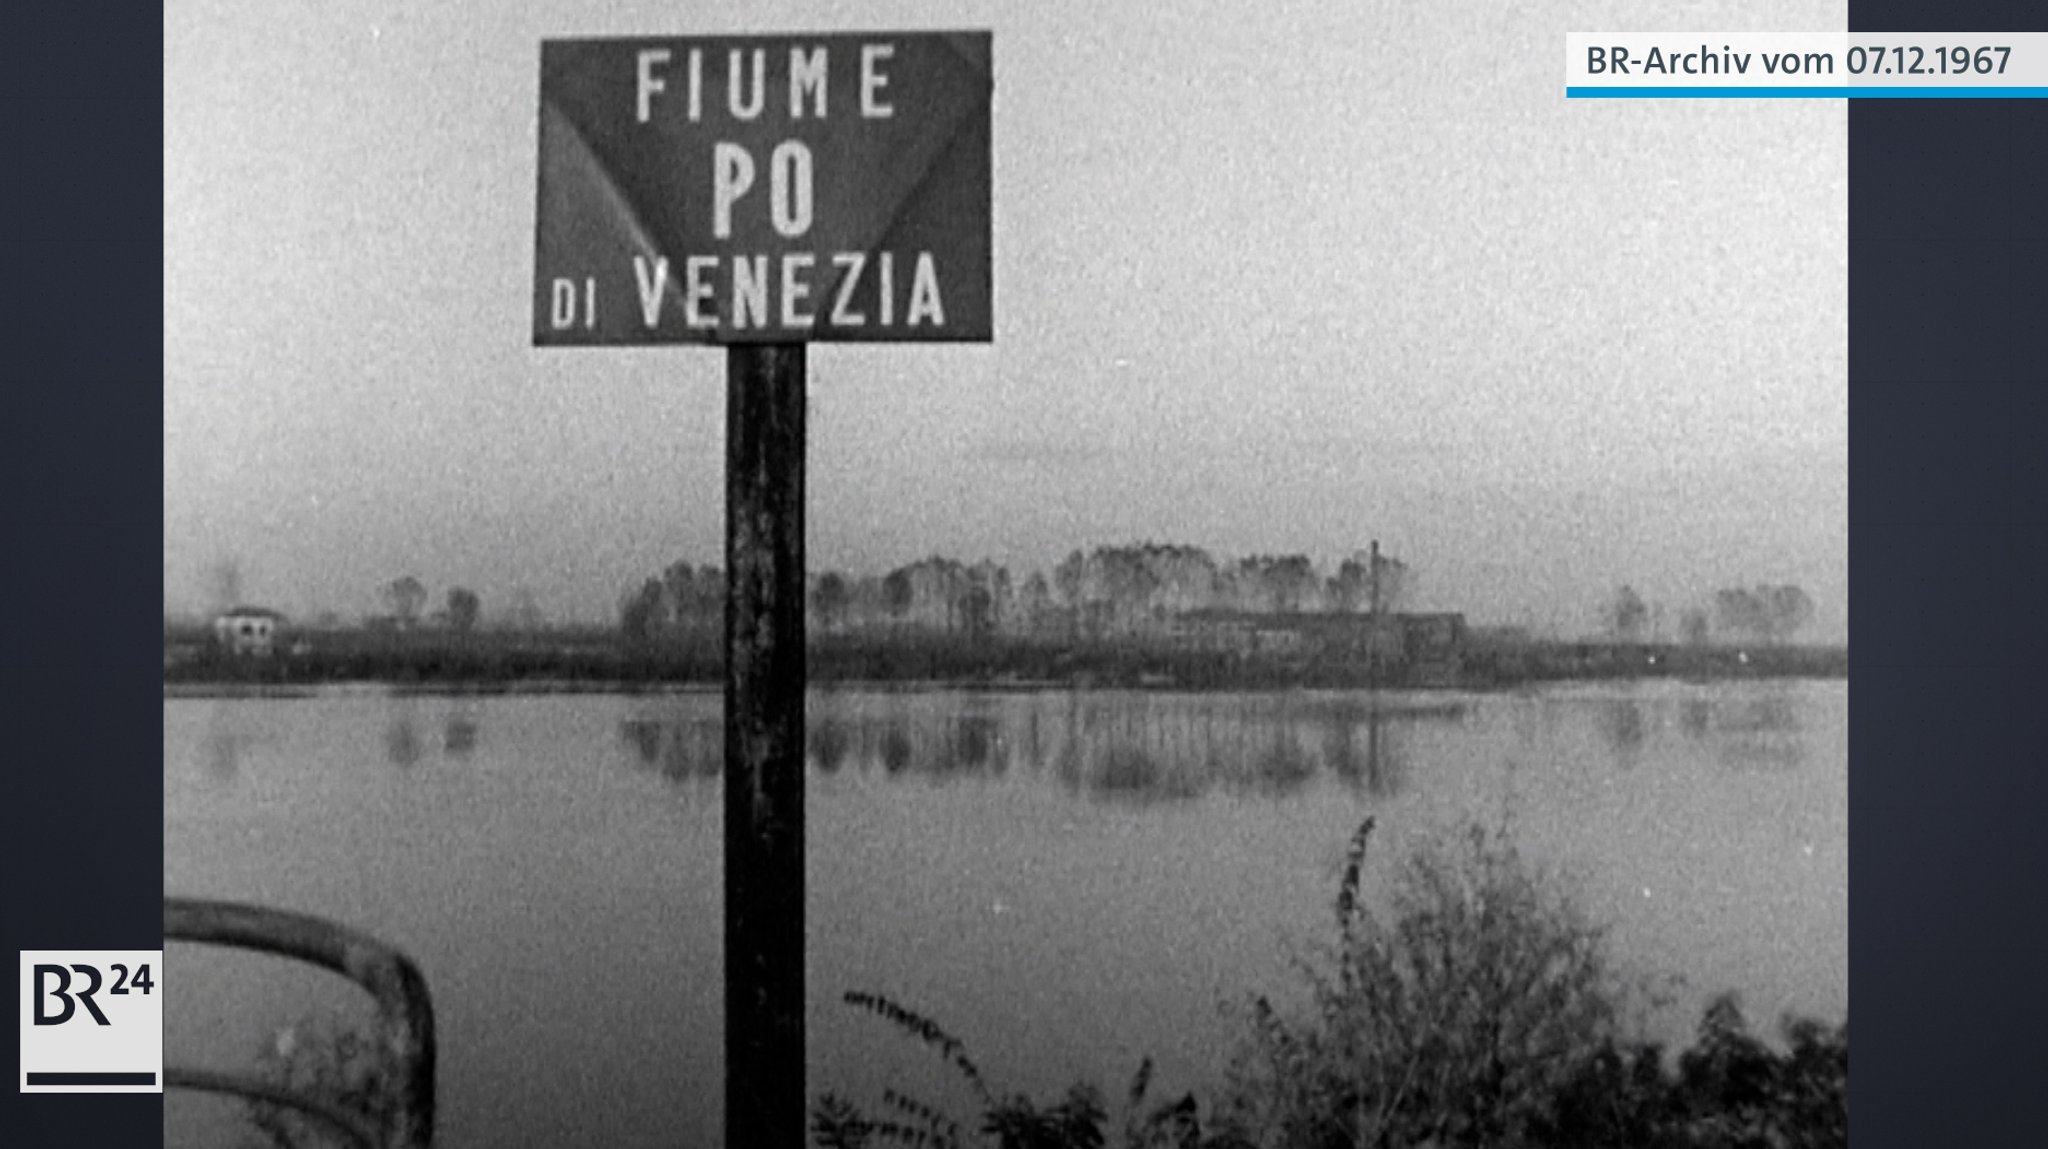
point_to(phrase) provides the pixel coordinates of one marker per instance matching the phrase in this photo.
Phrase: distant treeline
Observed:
(604, 657)
(1094, 607)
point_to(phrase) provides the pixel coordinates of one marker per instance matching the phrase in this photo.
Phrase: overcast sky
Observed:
(1277, 277)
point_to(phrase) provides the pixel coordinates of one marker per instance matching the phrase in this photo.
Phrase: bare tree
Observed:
(640, 613)
(1787, 610)
(829, 599)
(897, 592)
(1625, 617)
(463, 608)
(1768, 613)
(405, 596)
(679, 582)
(1035, 603)
(1694, 627)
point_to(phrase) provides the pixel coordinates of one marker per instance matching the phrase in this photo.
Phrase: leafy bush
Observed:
(1481, 1009)
(1454, 1020)
(1729, 1090)
(1077, 1120)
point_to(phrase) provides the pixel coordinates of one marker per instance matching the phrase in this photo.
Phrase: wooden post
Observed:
(765, 1101)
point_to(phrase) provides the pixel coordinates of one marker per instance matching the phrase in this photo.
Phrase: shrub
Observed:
(1077, 1120)
(1730, 1091)
(1456, 1019)
(1481, 1009)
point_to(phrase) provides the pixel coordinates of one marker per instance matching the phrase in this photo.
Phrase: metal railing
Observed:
(405, 1015)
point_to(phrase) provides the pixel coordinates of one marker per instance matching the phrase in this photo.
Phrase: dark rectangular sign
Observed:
(764, 189)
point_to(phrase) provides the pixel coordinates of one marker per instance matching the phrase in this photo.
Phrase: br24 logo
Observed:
(123, 984)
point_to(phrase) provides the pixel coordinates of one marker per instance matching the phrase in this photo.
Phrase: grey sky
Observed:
(1269, 278)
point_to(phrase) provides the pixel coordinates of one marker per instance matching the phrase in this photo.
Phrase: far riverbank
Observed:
(568, 661)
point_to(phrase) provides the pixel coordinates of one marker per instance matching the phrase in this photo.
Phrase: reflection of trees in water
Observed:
(1362, 747)
(402, 740)
(906, 739)
(1341, 748)
(1126, 772)
(458, 731)
(895, 748)
(1067, 763)
(828, 743)
(1282, 767)
(679, 749)
(1121, 747)
(645, 736)
(975, 743)
(1760, 731)
(1695, 717)
(1772, 713)
(1175, 747)
(1747, 730)
(1622, 726)
(406, 745)
(695, 749)
(1033, 748)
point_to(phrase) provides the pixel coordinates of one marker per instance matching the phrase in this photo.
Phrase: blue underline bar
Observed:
(1838, 92)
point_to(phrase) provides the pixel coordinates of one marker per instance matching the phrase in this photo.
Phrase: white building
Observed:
(248, 630)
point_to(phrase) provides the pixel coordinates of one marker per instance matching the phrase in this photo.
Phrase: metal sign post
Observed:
(762, 193)
(764, 745)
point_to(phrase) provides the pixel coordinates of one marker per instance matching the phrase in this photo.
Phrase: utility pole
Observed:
(1372, 642)
(1375, 584)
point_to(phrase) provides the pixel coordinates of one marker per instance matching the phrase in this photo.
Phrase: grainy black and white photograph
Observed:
(954, 574)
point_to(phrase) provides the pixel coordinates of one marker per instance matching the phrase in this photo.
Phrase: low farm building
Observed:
(248, 630)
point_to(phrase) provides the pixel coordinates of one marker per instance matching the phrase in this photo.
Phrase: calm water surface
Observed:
(1068, 881)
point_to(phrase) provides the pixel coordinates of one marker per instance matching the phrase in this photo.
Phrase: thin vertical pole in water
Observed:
(1372, 650)
(764, 747)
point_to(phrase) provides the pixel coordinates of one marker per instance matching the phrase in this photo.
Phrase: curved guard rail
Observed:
(358, 1127)
(405, 1013)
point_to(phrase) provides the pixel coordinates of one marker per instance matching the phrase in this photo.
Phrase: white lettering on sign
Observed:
(562, 303)
(872, 81)
(789, 188)
(732, 173)
(924, 293)
(696, 84)
(750, 291)
(696, 291)
(843, 314)
(649, 82)
(795, 290)
(763, 291)
(748, 78)
(746, 109)
(650, 287)
(888, 293)
(806, 74)
(791, 181)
